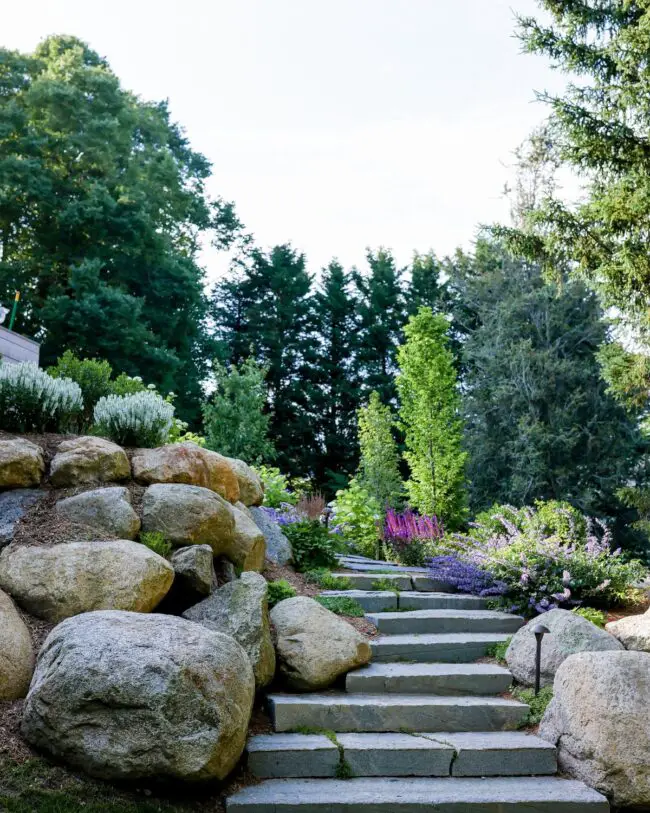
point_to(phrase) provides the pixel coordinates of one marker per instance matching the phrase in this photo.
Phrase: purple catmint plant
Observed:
(466, 577)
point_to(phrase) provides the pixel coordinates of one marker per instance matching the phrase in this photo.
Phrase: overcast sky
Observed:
(334, 125)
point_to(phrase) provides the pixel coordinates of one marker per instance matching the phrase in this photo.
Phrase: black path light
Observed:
(539, 631)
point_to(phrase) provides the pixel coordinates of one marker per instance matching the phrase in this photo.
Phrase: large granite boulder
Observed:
(21, 463)
(128, 696)
(251, 487)
(599, 719)
(189, 515)
(633, 632)
(188, 464)
(241, 609)
(88, 460)
(103, 509)
(314, 646)
(16, 652)
(58, 581)
(13, 505)
(194, 569)
(278, 547)
(569, 633)
(248, 548)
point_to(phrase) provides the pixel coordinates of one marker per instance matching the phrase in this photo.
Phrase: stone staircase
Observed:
(422, 728)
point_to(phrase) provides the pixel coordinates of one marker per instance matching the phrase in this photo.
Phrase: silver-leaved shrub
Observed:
(142, 419)
(33, 401)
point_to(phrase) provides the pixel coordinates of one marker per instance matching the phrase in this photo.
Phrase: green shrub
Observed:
(155, 541)
(33, 401)
(279, 590)
(323, 578)
(357, 517)
(498, 651)
(276, 487)
(537, 704)
(342, 605)
(143, 419)
(92, 375)
(385, 584)
(596, 617)
(127, 385)
(311, 544)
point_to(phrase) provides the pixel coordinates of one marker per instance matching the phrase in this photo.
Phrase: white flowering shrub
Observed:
(142, 419)
(33, 401)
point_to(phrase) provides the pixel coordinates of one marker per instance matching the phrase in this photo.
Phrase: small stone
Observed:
(278, 548)
(88, 460)
(633, 632)
(314, 646)
(241, 609)
(103, 509)
(569, 633)
(16, 652)
(21, 463)
(194, 570)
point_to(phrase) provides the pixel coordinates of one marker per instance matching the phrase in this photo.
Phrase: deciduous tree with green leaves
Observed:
(430, 418)
(379, 464)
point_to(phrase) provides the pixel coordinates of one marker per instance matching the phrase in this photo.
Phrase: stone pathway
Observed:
(421, 728)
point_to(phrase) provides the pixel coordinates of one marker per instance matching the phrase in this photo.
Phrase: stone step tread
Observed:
(388, 670)
(431, 647)
(373, 567)
(428, 600)
(429, 678)
(448, 613)
(444, 621)
(340, 699)
(419, 795)
(387, 600)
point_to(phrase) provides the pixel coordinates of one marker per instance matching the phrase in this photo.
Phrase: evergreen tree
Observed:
(102, 203)
(235, 421)
(381, 319)
(425, 286)
(379, 464)
(336, 374)
(539, 421)
(429, 416)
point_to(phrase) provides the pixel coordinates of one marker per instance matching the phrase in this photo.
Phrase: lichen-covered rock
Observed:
(189, 515)
(104, 509)
(21, 463)
(241, 609)
(633, 632)
(569, 633)
(599, 719)
(278, 548)
(194, 569)
(314, 646)
(188, 464)
(251, 487)
(59, 581)
(16, 652)
(13, 505)
(248, 548)
(88, 460)
(126, 696)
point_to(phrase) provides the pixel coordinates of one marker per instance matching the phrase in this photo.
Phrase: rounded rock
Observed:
(88, 460)
(21, 463)
(16, 652)
(104, 509)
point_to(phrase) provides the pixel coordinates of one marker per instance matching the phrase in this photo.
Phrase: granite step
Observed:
(501, 753)
(366, 581)
(420, 622)
(374, 601)
(418, 795)
(429, 678)
(449, 648)
(393, 712)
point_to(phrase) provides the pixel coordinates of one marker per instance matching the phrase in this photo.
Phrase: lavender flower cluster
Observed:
(466, 577)
(286, 514)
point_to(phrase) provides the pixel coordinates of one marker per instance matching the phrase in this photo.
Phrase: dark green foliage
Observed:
(92, 375)
(156, 541)
(537, 704)
(498, 651)
(325, 579)
(597, 617)
(342, 605)
(279, 590)
(540, 423)
(102, 203)
(386, 584)
(312, 545)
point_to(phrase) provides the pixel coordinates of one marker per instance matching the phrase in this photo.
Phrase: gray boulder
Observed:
(248, 548)
(569, 633)
(633, 632)
(189, 515)
(103, 509)
(278, 549)
(599, 719)
(13, 505)
(314, 646)
(58, 581)
(88, 460)
(21, 463)
(16, 652)
(194, 569)
(241, 609)
(128, 696)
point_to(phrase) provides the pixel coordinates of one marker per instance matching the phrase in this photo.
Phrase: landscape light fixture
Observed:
(539, 631)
